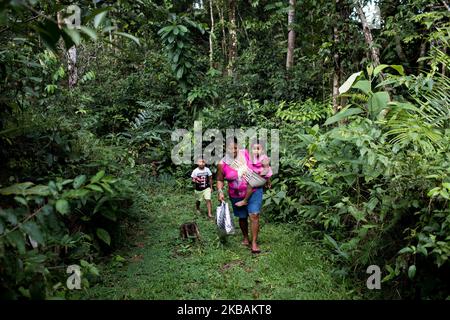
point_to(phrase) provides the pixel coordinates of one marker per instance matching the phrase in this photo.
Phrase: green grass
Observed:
(159, 265)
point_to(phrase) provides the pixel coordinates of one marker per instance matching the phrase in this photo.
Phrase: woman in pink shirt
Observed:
(237, 188)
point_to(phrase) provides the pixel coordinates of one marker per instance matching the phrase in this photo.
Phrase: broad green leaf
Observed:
(94, 270)
(165, 30)
(342, 115)
(79, 181)
(379, 68)
(433, 192)
(399, 69)
(348, 84)
(89, 32)
(107, 188)
(94, 13)
(377, 102)
(76, 194)
(10, 215)
(62, 206)
(49, 32)
(18, 188)
(74, 35)
(332, 241)
(99, 18)
(370, 70)
(180, 73)
(406, 250)
(21, 200)
(33, 230)
(357, 214)
(16, 239)
(104, 235)
(364, 86)
(421, 249)
(67, 181)
(98, 176)
(412, 271)
(38, 190)
(129, 36)
(95, 187)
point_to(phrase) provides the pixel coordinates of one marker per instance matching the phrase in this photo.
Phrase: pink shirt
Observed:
(237, 188)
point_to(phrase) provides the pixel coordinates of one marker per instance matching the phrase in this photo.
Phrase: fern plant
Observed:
(151, 115)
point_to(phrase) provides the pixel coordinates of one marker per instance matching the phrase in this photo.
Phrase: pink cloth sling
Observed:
(237, 188)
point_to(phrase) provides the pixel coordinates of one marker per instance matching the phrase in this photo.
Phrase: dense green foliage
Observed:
(370, 177)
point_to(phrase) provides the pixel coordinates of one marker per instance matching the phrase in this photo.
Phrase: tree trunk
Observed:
(232, 50)
(211, 35)
(399, 49)
(71, 55)
(337, 69)
(72, 66)
(423, 51)
(374, 52)
(291, 35)
(224, 37)
(341, 14)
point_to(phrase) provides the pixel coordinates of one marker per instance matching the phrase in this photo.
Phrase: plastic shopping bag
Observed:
(224, 220)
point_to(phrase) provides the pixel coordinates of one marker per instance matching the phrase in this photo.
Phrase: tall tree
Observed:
(224, 36)
(211, 34)
(71, 54)
(232, 30)
(374, 51)
(336, 62)
(291, 35)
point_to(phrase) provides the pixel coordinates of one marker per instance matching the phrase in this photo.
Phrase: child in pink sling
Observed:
(260, 165)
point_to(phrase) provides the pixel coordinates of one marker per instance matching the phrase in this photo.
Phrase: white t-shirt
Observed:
(201, 176)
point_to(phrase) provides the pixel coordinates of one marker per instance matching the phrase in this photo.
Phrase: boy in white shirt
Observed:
(202, 179)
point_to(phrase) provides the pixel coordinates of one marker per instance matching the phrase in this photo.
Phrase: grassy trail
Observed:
(160, 266)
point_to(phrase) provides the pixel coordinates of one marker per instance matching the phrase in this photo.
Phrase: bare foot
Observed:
(241, 203)
(255, 248)
(245, 242)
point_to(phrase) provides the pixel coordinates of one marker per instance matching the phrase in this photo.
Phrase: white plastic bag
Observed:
(224, 220)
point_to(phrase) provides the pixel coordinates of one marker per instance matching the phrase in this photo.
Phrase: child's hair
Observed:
(261, 142)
